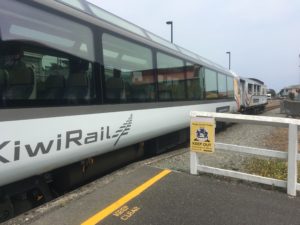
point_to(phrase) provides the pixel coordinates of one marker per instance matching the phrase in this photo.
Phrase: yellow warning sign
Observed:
(202, 135)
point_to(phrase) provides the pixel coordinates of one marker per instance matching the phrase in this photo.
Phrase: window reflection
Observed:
(171, 77)
(194, 82)
(211, 88)
(129, 74)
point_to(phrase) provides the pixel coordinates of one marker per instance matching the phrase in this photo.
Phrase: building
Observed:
(295, 89)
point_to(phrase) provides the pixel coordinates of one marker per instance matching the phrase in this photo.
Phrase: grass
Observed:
(273, 168)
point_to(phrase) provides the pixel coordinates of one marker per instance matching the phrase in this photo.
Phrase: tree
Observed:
(291, 96)
(272, 92)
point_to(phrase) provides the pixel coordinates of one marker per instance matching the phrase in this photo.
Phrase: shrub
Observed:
(291, 96)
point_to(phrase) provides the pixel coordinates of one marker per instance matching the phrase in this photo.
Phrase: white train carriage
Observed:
(82, 91)
(253, 95)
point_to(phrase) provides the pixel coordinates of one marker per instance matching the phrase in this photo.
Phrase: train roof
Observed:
(257, 80)
(117, 24)
(252, 80)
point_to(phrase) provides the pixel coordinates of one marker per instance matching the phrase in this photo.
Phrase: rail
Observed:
(292, 155)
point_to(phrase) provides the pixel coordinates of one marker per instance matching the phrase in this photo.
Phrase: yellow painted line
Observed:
(131, 195)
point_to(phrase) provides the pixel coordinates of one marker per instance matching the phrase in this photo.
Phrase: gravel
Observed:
(238, 134)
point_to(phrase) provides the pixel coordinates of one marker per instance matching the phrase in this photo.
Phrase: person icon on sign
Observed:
(202, 135)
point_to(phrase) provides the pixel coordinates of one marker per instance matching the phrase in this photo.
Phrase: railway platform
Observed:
(148, 195)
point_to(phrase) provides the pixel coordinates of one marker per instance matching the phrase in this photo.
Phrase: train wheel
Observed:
(6, 210)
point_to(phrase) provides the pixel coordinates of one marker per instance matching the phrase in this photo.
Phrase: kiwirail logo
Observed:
(123, 130)
(18, 149)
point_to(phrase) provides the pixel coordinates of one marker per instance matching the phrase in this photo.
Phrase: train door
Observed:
(242, 93)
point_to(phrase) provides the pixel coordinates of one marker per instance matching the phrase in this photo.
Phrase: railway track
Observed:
(273, 104)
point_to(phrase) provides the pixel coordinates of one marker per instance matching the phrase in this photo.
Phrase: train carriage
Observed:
(253, 95)
(82, 91)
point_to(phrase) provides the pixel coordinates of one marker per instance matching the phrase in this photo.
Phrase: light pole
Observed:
(299, 68)
(229, 54)
(171, 23)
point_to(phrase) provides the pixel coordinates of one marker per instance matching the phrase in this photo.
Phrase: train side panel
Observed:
(32, 147)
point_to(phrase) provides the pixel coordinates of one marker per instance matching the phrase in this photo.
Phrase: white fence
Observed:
(292, 155)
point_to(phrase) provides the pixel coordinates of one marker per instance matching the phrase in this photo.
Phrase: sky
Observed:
(263, 36)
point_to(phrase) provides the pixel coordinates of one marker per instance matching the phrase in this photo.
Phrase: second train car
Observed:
(253, 95)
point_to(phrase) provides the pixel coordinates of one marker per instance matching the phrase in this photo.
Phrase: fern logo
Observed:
(123, 130)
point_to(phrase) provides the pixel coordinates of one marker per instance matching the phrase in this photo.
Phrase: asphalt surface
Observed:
(177, 198)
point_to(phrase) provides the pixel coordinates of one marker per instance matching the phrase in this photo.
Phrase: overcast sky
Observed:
(263, 36)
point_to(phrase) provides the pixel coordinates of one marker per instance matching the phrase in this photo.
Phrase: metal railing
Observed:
(290, 108)
(292, 155)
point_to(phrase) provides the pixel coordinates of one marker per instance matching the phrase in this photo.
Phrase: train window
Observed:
(194, 81)
(187, 52)
(22, 22)
(230, 87)
(211, 88)
(17, 80)
(222, 86)
(250, 89)
(36, 77)
(129, 74)
(65, 78)
(258, 90)
(255, 89)
(161, 41)
(104, 15)
(171, 78)
(75, 3)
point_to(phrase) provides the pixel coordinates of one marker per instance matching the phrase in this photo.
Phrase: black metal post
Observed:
(299, 68)
(171, 23)
(229, 54)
